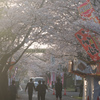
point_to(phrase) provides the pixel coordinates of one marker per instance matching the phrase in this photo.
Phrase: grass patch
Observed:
(79, 98)
(70, 89)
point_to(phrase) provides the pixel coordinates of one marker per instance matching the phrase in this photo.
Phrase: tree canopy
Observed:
(51, 22)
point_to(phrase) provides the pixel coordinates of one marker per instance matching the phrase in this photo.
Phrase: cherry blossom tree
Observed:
(24, 22)
(14, 33)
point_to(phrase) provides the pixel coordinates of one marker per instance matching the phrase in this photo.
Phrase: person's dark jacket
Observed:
(39, 89)
(58, 87)
(30, 86)
(44, 87)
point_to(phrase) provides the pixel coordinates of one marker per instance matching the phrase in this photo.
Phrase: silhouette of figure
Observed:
(39, 89)
(58, 89)
(13, 91)
(30, 85)
(44, 87)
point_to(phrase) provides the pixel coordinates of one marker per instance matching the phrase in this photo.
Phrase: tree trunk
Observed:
(3, 86)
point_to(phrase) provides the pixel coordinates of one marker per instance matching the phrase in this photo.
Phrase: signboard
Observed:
(84, 68)
(88, 44)
(81, 67)
(86, 11)
(96, 39)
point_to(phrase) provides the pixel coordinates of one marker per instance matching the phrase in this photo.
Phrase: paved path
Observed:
(49, 96)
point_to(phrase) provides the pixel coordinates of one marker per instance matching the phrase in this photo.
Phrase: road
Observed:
(49, 96)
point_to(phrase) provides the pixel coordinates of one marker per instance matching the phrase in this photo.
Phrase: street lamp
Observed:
(70, 68)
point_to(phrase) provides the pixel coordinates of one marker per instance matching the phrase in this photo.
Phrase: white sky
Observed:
(37, 45)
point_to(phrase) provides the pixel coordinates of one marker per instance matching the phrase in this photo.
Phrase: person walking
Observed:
(39, 90)
(30, 86)
(58, 89)
(12, 91)
(44, 87)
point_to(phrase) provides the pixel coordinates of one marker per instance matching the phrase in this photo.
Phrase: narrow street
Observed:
(49, 96)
